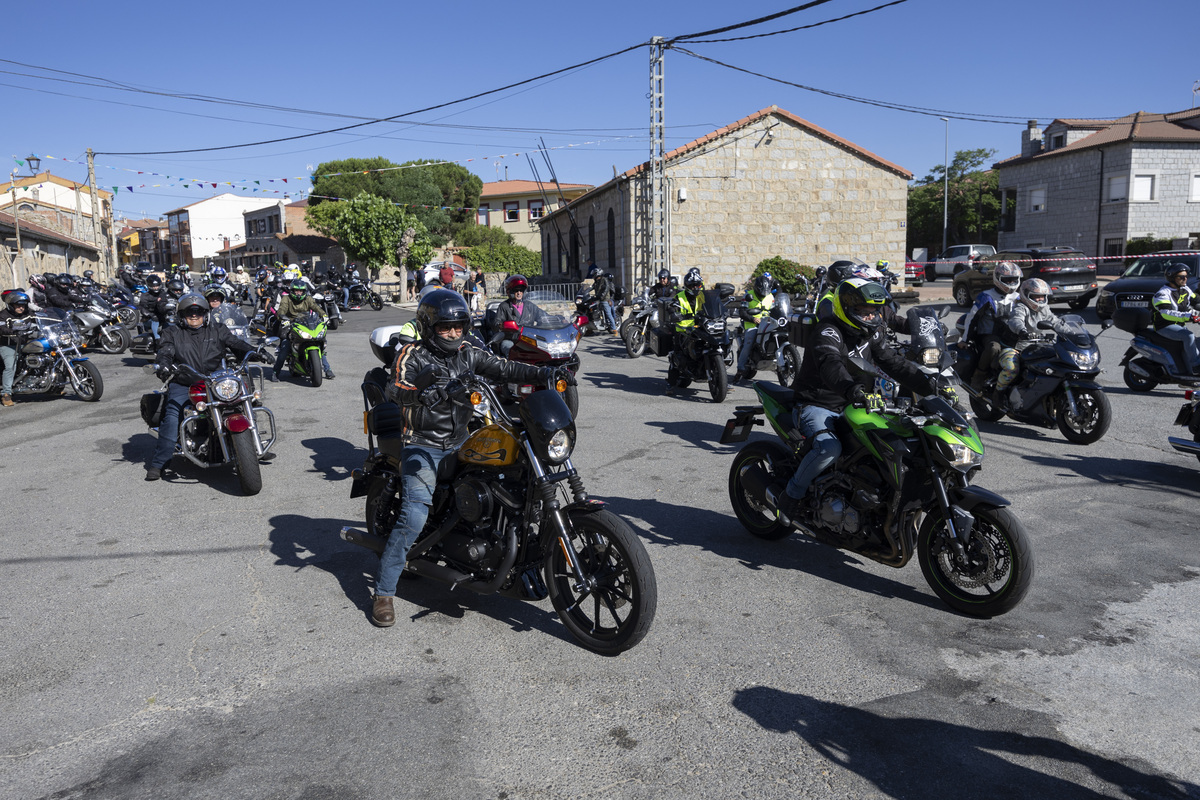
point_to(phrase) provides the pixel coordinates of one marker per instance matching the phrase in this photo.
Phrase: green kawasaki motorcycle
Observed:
(306, 341)
(902, 484)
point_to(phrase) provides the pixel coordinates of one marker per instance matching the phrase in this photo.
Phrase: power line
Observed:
(748, 23)
(802, 27)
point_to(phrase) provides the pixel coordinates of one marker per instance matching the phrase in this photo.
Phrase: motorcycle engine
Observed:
(36, 362)
(476, 543)
(845, 510)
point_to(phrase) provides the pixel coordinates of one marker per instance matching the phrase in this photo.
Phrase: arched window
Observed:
(591, 239)
(612, 241)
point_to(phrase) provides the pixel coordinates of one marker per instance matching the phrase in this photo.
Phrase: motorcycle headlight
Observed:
(930, 356)
(226, 389)
(715, 326)
(1087, 359)
(558, 449)
(559, 349)
(960, 455)
(303, 334)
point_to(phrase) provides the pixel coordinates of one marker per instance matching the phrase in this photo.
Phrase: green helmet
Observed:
(298, 290)
(858, 304)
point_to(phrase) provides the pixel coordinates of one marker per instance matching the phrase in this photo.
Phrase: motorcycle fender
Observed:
(359, 483)
(1185, 414)
(110, 328)
(589, 506)
(236, 423)
(1081, 384)
(1129, 354)
(969, 497)
(739, 428)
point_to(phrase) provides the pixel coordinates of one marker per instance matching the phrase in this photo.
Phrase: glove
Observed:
(432, 396)
(553, 375)
(949, 393)
(871, 401)
(163, 372)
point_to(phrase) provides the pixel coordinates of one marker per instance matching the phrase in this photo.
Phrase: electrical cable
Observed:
(748, 23)
(802, 27)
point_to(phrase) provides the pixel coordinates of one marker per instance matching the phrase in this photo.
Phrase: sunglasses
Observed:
(193, 314)
(451, 326)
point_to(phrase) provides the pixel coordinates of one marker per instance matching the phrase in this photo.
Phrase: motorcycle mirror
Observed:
(425, 378)
(1045, 325)
(945, 312)
(509, 325)
(1106, 324)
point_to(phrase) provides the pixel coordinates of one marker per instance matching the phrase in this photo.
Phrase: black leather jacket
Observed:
(56, 298)
(824, 378)
(200, 348)
(444, 426)
(8, 337)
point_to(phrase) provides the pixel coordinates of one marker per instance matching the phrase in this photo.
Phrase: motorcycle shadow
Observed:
(300, 542)
(1154, 476)
(646, 385)
(722, 535)
(140, 447)
(331, 455)
(877, 741)
(701, 435)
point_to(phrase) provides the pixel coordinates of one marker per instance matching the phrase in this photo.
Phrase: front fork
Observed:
(553, 510)
(958, 522)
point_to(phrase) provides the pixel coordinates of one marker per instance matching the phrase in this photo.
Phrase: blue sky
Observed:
(1021, 59)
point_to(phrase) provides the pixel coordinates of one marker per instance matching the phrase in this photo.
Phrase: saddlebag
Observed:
(660, 341)
(800, 327)
(154, 405)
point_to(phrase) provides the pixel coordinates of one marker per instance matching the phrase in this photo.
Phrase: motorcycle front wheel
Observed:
(115, 341)
(718, 379)
(755, 515)
(571, 398)
(376, 301)
(996, 572)
(91, 385)
(1095, 415)
(614, 608)
(316, 373)
(246, 456)
(635, 341)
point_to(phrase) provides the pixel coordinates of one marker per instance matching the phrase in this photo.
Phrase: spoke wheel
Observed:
(376, 301)
(635, 341)
(756, 516)
(91, 385)
(997, 570)
(614, 608)
(786, 372)
(1095, 415)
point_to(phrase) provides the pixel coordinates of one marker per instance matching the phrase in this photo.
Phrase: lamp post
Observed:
(946, 185)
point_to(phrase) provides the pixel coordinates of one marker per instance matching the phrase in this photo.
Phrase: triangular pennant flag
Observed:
(115, 189)
(130, 188)
(214, 186)
(256, 183)
(285, 180)
(19, 161)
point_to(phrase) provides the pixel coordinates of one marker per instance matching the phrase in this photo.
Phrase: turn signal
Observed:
(560, 386)
(1187, 395)
(476, 398)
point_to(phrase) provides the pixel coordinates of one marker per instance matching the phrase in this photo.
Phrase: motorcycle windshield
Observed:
(310, 320)
(925, 328)
(783, 306)
(233, 318)
(712, 308)
(50, 316)
(1076, 333)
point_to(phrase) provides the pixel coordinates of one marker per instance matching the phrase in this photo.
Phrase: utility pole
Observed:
(946, 186)
(96, 240)
(656, 188)
(16, 227)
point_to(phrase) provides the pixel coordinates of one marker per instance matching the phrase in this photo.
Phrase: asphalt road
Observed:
(174, 639)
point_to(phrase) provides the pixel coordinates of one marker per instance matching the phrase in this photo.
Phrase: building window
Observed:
(1008, 210)
(1037, 200)
(537, 209)
(512, 212)
(481, 215)
(270, 224)
(1145, 188)
(1194, 194)
(1116, 189)
(249, 228)
(1058, 140)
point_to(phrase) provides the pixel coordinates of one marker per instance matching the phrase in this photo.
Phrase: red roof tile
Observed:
(505, 188)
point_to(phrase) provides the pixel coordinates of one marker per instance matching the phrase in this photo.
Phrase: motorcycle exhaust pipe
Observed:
(1184, 445)
(363, 539)
(1138, 369)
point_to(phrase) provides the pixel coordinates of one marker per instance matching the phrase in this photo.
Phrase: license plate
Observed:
(1135, 304)
(1077, 287)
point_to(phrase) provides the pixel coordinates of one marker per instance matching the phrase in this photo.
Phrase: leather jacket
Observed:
(200, 348)
(444, 426)
(824, 378)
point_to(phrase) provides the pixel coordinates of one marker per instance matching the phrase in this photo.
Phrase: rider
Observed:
(663, 289)
(984, 324)
(1023, 323)
(435, 427)
(295, 303)
(827, 383)
(58, 292)
(759, 300)
(1175, 305)
(517, 309)
(602, 290)
(220, 310)
(16, 308)
(200, 345)
(686, 304)
(148, 304)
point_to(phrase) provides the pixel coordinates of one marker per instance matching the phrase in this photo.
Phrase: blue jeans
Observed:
(9, 356)
(418, 478)
(168, 431)
(1181, 334)
(815, 423)
(346, 296)
(154, 329)
(748, 337)
(606, 309)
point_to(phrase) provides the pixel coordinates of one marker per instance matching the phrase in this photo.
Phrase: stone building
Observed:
(1095, 184)
(771, 184)
(280, 232)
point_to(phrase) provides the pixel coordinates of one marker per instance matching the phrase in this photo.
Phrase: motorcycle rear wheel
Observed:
(1000, 567)
(1095, 415)
(334, 323)
(381, 524)
(613, 612)
(316, 373)
(985, 410)
(758, 519)
(376, 301)
(1136, 382)
(718, 379)
(246, 457)
(91, 385)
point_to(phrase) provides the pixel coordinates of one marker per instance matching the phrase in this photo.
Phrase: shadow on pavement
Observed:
(334, 457)
(895, 745)
(1128, 472)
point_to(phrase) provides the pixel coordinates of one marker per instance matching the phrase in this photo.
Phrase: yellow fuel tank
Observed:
(493, 446)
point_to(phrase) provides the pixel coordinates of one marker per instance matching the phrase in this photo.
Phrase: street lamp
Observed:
(34, 164)
(946, 185)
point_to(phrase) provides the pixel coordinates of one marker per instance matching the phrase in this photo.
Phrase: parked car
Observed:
(1138, 283)
(432, 269)
(1070, 274)
(914, 274)
(956, 259)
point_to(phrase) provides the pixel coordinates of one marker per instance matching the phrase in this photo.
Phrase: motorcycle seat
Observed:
(783, 396)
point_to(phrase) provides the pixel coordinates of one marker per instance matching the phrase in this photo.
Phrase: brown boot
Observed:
(6, 400)
(382, 613)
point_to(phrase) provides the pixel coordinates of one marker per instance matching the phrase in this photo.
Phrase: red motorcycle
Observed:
(550, 341)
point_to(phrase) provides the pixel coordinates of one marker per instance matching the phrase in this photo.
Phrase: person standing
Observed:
(474, 288)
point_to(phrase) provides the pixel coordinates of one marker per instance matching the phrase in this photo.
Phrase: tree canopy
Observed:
(973, 202)
(507, 258)
(435, 193)
(370, 229)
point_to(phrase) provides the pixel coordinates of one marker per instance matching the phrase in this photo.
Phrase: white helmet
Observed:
(239, 269)
(1035, 293)
(1007, 277)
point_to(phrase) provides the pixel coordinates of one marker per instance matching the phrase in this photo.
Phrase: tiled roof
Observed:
(46, 177)
(505, 188)
(298, 204)
(1179, 127)
(39, 232)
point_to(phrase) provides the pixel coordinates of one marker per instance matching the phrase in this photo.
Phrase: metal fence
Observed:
(567, 290)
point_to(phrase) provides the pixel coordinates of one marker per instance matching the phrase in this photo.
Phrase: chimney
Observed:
(1031, 139)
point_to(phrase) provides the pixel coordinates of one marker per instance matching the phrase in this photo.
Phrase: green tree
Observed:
(506, 258)
(370, 229)
(973, 202)
(477, 235)
(787, 273)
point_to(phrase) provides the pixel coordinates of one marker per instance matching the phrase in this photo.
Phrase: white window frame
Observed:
(1155, 185)
(537, 209)
(1194, 188)
(1108, 179)
(1033, 190)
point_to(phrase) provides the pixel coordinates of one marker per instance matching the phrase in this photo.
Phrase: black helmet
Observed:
(664, 274)
(86, 284)
(191, 302)
(841, 271)
(692, 282)
(298, 290)
(62, 281)
(89, 274)
(438, 307)
(213, 290)
(858, 305)
(154, 284)
(764, 285)
(1174, 269)
(175, 288)
(516, 283)
(16, 298)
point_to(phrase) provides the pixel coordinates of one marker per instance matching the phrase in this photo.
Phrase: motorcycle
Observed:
(125, 302)
(48, 358)
(902, 485)
(219, 424)
(549, 342)
(1056, 385)
(1191, 420)
(510, 515)
(703, 350)
(306, 345)
(144, 342)
(361, 294)
(772, 348)
(588, 316)
(99, 324)
(327, 301)
(1151, 358)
